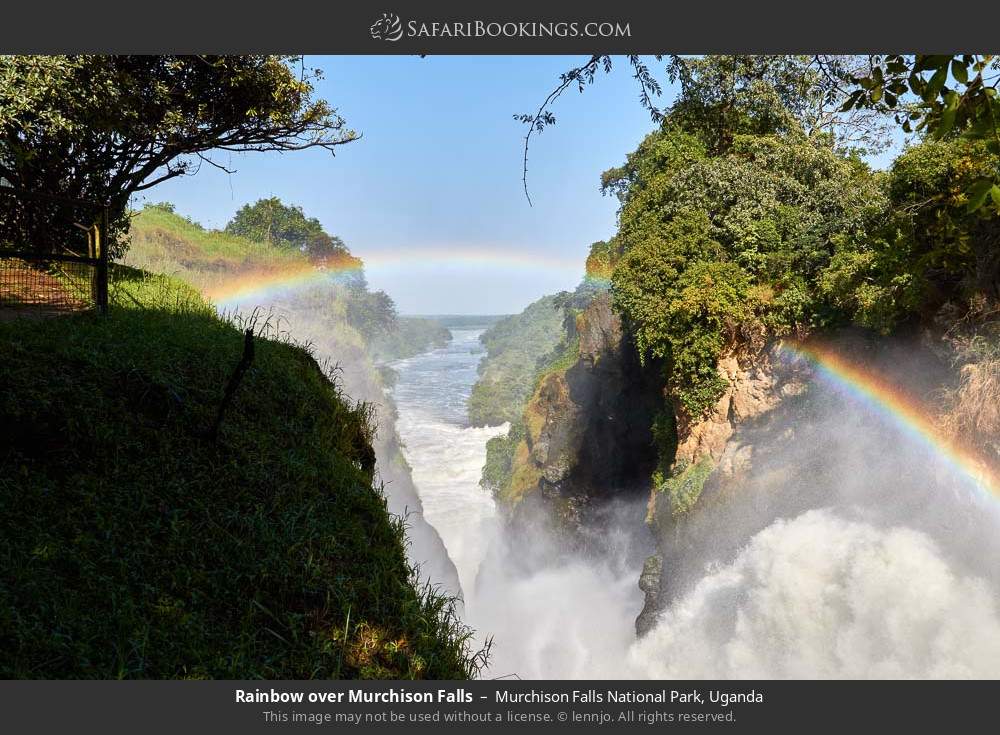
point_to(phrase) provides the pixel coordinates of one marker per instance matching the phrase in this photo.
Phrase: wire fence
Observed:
(53, 254)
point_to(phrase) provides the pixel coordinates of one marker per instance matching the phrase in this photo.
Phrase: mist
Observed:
(821, 596)
(843, 548)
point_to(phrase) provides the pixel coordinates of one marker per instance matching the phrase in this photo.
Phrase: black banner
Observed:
(265, 707)
(452, 27)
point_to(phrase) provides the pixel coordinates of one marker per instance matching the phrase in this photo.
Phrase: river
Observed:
(567, 619)
(445, 453)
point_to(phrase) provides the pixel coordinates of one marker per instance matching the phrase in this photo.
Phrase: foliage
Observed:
(163, 241)
(727, 223)
(499, 466)
(514, 347)
(684, 487)
(723, 96)
(274, 222)
(931, 250)
(372, 313)
(134, 547)
(412, 336)
(955, 95)
(102, 128)
(750, 214)
(599, 263)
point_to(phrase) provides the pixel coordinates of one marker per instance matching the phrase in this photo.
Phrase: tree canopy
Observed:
(742, 220)
(286, 225)
(848, 97)
(102, 128)
(939, 95)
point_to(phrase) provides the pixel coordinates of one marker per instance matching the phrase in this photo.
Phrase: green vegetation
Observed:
(508, 372)
(103, 127)
(727, 223)
(136, 545)
(506, 471)
(500, 455)
(412, 335)
(684, 486)
(956, 94)
(162, 241)
(742, 220)
(286, 226)
(751, 215)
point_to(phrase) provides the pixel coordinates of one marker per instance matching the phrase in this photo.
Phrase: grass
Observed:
(165, 242)
(134, 546)
(685, 486)
(972, 407)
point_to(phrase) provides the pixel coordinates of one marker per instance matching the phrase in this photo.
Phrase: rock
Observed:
(735, 459)
(649, 583)
(757, 383)
(588, 425)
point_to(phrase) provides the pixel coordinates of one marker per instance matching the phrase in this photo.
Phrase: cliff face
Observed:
(785, 439)
(361, 382)
(714, 455)
(587, 426)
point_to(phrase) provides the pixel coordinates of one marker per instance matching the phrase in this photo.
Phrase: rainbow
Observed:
(263, 285)
(254, 287)
(902, 409)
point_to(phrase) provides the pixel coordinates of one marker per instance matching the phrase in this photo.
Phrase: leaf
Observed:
(995, 195)
(936, 84)
(959, 71)
(947, 121)
(978, 193)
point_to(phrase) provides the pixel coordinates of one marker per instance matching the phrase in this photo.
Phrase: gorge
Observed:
(825, 542)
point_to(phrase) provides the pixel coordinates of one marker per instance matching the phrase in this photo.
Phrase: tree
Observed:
(848, 97)
(942, 96)
(321, 246)
(372, 313)
(724, 94)
(276, 223)
(730, 214)
(286, 225)
(102, 128)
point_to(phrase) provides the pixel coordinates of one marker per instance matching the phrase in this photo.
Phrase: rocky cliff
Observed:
(587, 427)
(785, 439)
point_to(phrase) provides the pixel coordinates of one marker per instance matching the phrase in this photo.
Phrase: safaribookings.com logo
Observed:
(390, 28)
(387, 28)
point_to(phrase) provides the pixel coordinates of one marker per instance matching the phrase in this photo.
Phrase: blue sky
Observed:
(438, 172)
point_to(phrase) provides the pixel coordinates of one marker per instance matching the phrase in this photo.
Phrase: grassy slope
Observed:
(135, 547)
(165, 242)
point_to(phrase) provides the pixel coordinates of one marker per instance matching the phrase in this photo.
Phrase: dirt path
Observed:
(32, 292)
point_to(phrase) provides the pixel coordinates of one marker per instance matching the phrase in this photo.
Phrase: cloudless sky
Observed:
(432, 192)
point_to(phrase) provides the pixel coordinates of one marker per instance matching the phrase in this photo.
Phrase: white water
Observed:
(823, 597)
(446, 454)
(818, 594)
(568, 620)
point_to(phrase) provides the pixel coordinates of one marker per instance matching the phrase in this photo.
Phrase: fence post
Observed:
(102, 262)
